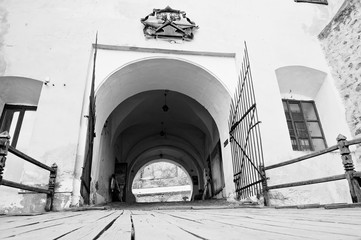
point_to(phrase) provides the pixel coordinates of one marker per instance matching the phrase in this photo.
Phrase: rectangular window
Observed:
(304, 125)
(12, 119)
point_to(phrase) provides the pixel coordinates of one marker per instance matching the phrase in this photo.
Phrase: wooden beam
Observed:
(342, 205)
(165, 51)
(302, 206)
(305, 157)
(286, 207)
(323, 2)
(353, 142)
(24, 187)
(308, 182)
(29, 159)
(307, 206)
(312, 155)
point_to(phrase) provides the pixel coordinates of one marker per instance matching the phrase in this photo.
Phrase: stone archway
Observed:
(130, 117)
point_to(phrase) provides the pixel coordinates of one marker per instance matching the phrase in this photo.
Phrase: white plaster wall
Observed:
(51, 40)
(288, 36)
(332, 113)
(47, 41)
(292, 42)
(223, 68)
(333, 122)
(21, 91)
(319, 167)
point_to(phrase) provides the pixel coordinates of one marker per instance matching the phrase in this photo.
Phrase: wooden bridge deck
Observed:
(202, 223)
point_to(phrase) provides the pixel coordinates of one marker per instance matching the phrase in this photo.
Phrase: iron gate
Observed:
(245, 138)
(87, 165)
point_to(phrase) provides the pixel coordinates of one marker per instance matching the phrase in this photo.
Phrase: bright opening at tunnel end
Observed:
(162, 182)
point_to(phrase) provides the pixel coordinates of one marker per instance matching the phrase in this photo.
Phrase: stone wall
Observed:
(341, 43)
(160, 174)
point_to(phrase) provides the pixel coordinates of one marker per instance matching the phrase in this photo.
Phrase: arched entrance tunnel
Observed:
(159, 108)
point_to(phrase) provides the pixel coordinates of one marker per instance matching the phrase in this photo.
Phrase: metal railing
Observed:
(353, 177)
(4, 149)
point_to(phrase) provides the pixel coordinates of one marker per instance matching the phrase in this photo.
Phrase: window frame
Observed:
(21, 109)
(305, 121)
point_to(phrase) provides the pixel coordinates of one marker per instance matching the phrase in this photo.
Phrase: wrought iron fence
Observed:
(245, 137)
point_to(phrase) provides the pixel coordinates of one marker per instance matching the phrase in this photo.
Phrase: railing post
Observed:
(4, 146)
(50, 196)
(347, 162)
(264, 186)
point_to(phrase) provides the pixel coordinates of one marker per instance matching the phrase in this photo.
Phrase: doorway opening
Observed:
(160, 125)
(162, 181)
(159, 109)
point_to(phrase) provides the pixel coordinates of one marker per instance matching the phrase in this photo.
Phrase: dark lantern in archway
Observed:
(165, 106)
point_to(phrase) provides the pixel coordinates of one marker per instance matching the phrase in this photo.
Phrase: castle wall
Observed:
(51, 41)
(340, 41)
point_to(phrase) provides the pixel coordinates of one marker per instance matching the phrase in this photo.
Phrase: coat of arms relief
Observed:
(168, 24)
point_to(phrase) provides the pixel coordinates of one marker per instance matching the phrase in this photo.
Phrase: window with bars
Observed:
(304, 125)
(13, 118)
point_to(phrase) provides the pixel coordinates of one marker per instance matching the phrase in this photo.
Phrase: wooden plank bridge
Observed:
(184, 222)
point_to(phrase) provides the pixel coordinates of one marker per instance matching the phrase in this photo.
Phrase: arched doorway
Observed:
(162, 180)
(133, 128)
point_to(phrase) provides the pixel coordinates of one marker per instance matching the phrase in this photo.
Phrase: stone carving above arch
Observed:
(168, 23)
